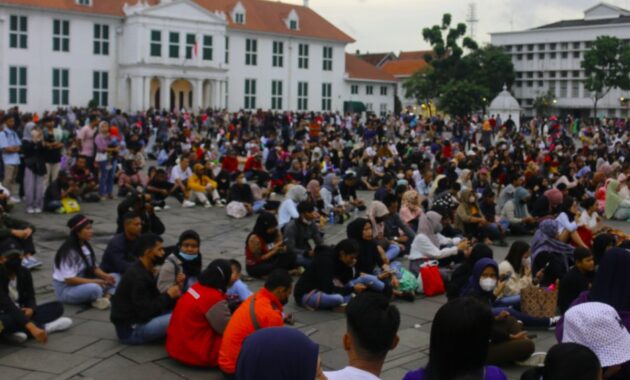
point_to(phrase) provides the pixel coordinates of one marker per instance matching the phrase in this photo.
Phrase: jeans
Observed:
(106, 177)
(527, 320)
(33, 189)
(239, 289)
(392, 251)
(369, 280)
(148, 332)
(52, 171)
(507, 301)
(84, 293)
(303, 260)
(258, 205)
(52, 206)
(42, 314)
(319, 300)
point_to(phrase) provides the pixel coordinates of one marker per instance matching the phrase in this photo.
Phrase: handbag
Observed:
(539, 302)
(432, 283)
(70, 205)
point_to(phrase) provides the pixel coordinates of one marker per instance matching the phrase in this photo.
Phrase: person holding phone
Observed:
(516, 272)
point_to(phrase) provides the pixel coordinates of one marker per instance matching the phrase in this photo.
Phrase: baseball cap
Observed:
(598, 326)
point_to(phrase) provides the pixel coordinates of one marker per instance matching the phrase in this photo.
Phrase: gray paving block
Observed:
(115, 362)
(103, 348)
(334, 359)
(38, 376)
(145, 353)
(8, 373)
(43, 360)
(315, 317)
(414, 338)
(143, 371)
(98, 329)
(393, 374)
(329, 333)
(64, 343)
(190, 373)
(93, 314)
(7, 348)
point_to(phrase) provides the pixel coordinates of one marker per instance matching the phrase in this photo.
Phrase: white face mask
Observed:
(488, 284)
(527, 262)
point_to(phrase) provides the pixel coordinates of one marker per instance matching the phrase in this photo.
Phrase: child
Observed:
(239, 291)
(578, 279)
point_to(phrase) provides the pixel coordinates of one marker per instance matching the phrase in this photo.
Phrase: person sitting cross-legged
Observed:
(298, 232)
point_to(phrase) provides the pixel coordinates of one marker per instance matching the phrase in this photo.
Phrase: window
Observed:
(239, 18)
(84, 2)
(519, 47)
(101, 39)
(564, 74)
(277, 57)
(383, 109)
(293, 25)
(541, 46)
(530, 74)
(326, 96)
(100, 88)
(564, 55)
(563, 89)
(369, 107)
(17, 84)
(575, 89)
(251, 52)
(507, 48)
(530, 57)
(552, 87)
(276, 94)
(384, 90)
(541, 55)
(173, 45)
(564, 46)
(303, 56)
(191, 40)
(585, 93)
(207, 48)
(369, 90)
(61, 35)
(552, 55)
(227, 49)
(576, 54)
(250, 93)
(519, 75)
(530, 83)
(518, 84)
(328, 58)
(302, 96)
(519, 57)
(552, 74)
(354, 89)
(156, 43)
(540, 74)
(576, 45)
(552, 46)
(540, 83)
(18, 32)
(60, 87)
(530, 47)
(576, 74)
(588, 44)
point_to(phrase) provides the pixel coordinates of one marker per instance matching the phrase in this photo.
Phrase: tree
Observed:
(606, 66)
(422, 87)
(459, 98)
(491, 68)
(542, 104)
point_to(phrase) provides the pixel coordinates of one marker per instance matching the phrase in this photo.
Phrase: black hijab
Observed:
(190, 267)
(217, 275)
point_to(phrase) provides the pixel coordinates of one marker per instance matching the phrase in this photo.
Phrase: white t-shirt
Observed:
(587, 220)
(71, 267)
(565, 224)
(350, 373)
(178, 174)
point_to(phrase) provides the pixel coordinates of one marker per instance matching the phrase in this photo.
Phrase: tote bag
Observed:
(432, 283)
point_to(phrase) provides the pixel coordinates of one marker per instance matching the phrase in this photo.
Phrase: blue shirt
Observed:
(8, 139)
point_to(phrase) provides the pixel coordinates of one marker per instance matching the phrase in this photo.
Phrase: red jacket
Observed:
(195, 331)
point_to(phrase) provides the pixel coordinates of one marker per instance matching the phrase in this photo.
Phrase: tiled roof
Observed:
(581, 22)
(261, 16)
(375, 58)
(404, 55)
(359, 69)
(405, 68)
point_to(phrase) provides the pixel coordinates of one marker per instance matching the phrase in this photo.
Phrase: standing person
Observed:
(34, 172)
(53, 145)
(371, 332)
(11, 146)
(107, 159)
(85, 138)
(76, 277)
(261, 310)
(198, 322)
(141, 313)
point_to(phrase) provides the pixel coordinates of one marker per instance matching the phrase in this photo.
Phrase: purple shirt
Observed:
(490, 373)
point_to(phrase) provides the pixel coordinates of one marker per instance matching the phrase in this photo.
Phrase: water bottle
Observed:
(331, 218)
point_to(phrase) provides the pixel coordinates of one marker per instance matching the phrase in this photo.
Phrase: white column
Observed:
(136, 94)
(216, 93)
(222, 88)
(147, 93)
(197, 95)
(165, 93)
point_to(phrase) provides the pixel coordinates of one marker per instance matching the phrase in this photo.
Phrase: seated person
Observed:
(394, 228)
(241, 192)
(567, 361)
(471, 220)
(567, 223)
(21, 233)
(118, 255)
(140, 312)
(590, 218)
(131, 178)
(549, 253)
(199, 319)
(617, 206)
(545, 206)
(332, 198)
(348, 191)
(76, 277)
(298, 232)
(288, 207)
(20, 315)
(201, 187)
(266, 311)
(182, 267)
(140, 204)
(411, 208)
(577, 280)
(265, 250)
(517, 215)
(372, 324)
(160, 188)
(238, 291)
(180, 174)
(516, 270)
(85, 181)
(461, 274)
(62, 187)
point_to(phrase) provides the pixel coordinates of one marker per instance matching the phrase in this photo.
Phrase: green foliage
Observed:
(544, 103)
(491, 68)
(460, 97)
(421, 86)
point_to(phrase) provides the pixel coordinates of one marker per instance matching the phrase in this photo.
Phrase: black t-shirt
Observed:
(573, 283)
(347, 192)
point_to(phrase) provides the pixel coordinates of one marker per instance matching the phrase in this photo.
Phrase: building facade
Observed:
(548, 59)
(234, 54)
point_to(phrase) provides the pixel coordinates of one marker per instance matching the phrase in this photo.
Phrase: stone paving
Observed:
(90, 350)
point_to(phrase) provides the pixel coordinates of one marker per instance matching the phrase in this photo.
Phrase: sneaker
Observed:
(219, 203)
(553, 321)
(223, 201)
(60, 210)
(207, 205)
(166, 207)
(15, 200)
(18, 337)
(59, 324)
(30, 210)
(31, 262)
(101, 303)
(38, 211)
(157, 208)
(188, 204)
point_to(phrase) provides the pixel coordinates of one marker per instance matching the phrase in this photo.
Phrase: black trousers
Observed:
(284, 261)
(26, 245)
(42, 314)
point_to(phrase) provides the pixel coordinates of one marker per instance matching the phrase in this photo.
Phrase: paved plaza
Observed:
(90, 350)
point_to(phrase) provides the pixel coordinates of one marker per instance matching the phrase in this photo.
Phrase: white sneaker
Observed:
(188, 204)
(157, 208)
(101, 303)
(15, 200)
(59, 324)
(166, 207)
(219, 203)
(30, 210)
(38, 211)
(18, 337)
(207, 205)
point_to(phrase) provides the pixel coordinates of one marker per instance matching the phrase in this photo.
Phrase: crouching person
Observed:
(196, 329)
(140, 312)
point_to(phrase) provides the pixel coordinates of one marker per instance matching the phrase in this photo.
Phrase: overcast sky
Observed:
(395, 25)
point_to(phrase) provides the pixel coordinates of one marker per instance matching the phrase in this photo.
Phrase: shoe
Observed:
(407, 296)
(101, 303)
(536, 360)
(59, 324)
(18, 337)
(31, 262)
(38, 211)
(188, 204)
(223, 201)
(219, 203)
(553, 321)
(157, 208)
(15, 200)
(207, 205)
(30, 210)
(166, 207)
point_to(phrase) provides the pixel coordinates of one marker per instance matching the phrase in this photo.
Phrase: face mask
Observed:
(13, 264)
(527, 262)
(438, 229)
(187, 256)
(158, 260)
(487, 284)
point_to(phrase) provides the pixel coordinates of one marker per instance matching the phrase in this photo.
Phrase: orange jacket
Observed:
(268, 310)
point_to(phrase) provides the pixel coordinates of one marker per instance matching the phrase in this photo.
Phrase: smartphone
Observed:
(505, 277)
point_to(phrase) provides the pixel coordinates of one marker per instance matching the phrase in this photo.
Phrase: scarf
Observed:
(427, 224)
(313, 188)
(329, 183)
(613, 200)
(520, 208)
(545, 240)
(377, 210)
(554, 196)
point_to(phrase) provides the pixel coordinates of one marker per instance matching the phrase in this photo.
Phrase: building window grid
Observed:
(207, 48)
(276, 94)
(303, 56)
(251, 52)
(575, 89)
(17, 85)
(302, 96)
(293, 24)
(18, 32)
(173, 45)
(250, 93)
(156, 43)
(369, 90)
(383, 110)
(60, 87)
(84, 2)
(328, 58)
(239, 18)
(191, 40)
(101, 39)
(100, 88)
(326, 96)
(354, 89)
(61, 35)
(277, 58)
(383, 90)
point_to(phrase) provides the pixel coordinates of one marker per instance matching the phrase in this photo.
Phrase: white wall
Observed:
(376, 99)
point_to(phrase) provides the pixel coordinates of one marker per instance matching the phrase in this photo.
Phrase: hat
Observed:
(598, 326)
(78, 221)
(10, 247)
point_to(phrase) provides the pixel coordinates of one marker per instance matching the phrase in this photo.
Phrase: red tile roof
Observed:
(359, 69)
(375, 58)
(404, 55)
(405, 68)
(261, 16)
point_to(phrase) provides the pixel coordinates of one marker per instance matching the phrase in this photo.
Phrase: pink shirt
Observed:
(86, 135)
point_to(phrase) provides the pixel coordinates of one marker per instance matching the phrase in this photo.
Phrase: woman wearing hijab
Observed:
(516, 213)
(183, 266)
(332, 197)
(378, 214)
(288, 207)
(200, 317)
(313, 193)
(265, 250)
(411, 209)
(616, 207)
(465, 179)
(545, 206)
(468, 218)
(549, 253)
(279, 353)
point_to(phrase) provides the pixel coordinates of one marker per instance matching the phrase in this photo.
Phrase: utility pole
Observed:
(472, 19)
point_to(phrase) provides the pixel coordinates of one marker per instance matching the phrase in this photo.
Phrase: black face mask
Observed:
(13, 264)
(159, 260)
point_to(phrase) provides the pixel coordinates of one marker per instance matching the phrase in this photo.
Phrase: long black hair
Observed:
(566, 205)
(263, 223)
(515, 255)
(72, 250)
(217, 275)
(460, 337)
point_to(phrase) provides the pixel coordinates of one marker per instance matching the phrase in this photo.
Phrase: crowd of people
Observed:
(444, 192)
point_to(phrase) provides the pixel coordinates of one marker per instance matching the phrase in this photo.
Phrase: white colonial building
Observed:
(234, 54)
(548, 58)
